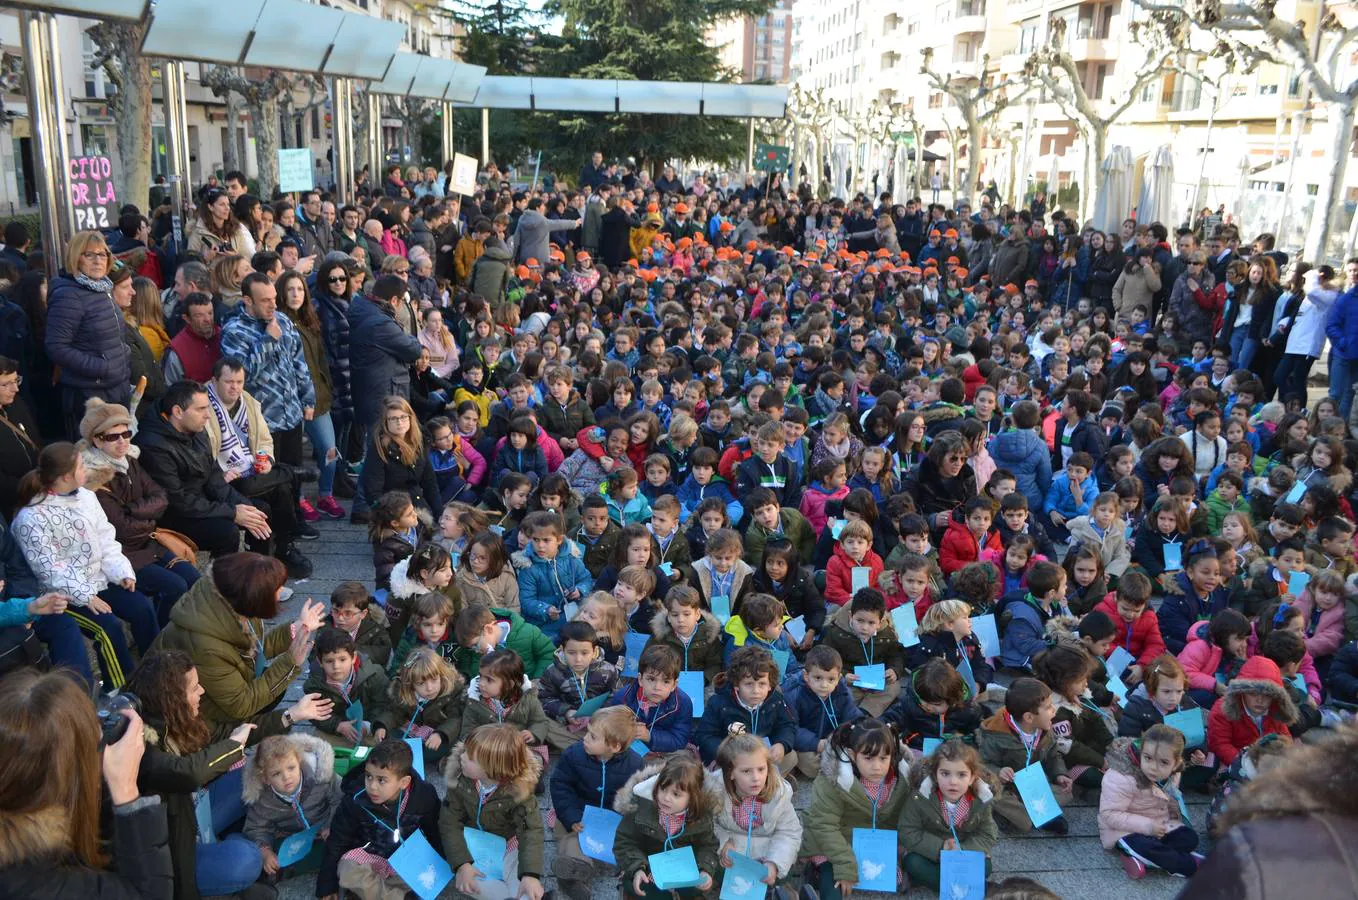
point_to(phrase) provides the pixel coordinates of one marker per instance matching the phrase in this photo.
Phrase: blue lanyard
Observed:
(754, 721)
(295, 801)
(686, 642)
(830, 713)
(867, 653)
(952, 825)
(669, 838)
(581, 685)
(480, 802)
(603, 783)
(400, 801)
(749, 829)
(419, 708)
(874, 808)
(941, 726)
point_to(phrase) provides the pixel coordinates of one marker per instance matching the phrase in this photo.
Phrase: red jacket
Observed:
(1146, 643)
(839, 574)
(1229, 727)
(959, 547)
(972, 379)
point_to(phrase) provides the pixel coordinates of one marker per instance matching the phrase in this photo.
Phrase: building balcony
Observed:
(1085, 49)
(1012, 63)
(964, 69)
(969, 24)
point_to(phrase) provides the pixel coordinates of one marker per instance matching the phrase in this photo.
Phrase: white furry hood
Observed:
(318, 765)
(474, 688)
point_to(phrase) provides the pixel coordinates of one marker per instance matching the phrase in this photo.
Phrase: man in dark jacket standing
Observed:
(1011, 259)
(380, 352)
(594, 172)
(320, 237)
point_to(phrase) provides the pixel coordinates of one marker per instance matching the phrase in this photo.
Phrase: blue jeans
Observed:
(227, 806)
(228, 866)
(165, 584)
(1290, 376)
(1343, 379)
(321, 432)
(65, 645)
(1242, 348)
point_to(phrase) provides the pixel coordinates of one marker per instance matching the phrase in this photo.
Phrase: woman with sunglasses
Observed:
(334, 290)
(85, 330)
(133, 503)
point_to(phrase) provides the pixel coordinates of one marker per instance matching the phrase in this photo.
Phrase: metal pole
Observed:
(1019, 189)
(749, 149)
(446, 133)
(377, 151)
(177, 139)
(1202, 166)
(485, 136)
(1298, 120)
(342, 127)
(47, 103)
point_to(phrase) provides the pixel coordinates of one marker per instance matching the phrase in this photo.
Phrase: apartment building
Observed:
(757, 49)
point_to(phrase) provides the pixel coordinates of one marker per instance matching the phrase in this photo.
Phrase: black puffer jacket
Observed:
(183, 465)
(935, 494)
(380, 354)
(85, 337)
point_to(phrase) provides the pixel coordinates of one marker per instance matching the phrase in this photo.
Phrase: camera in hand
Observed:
(112, 722)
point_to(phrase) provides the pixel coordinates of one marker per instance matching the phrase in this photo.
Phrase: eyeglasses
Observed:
(400, 271)
(94, 254)
(112, 436)
(337, 279)
(400, 418)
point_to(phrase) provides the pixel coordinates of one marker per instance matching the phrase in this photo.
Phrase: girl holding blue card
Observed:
(945, 633)
(860, 792)
(423, 702)
(667, 808)
(490, 823)
(756, 819)
(289, 786)
(1160, 542)
(1141, 808)
(949, 808)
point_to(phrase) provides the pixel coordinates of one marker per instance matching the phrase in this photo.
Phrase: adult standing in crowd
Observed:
(1342, 330)
(85, 330)
(320, 428)
(243, 667)
(215, 230)
(380, 352)
(19, 438)
(198, 345)
(52, 798)
(534, 232)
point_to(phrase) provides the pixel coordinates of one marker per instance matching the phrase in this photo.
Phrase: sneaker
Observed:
(360, 517)
(297, 564)
(305, 532)
(330, 507)
(307, 512)
(1135, 868)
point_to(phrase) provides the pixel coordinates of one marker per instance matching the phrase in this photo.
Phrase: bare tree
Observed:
(294, 112)
(979, 104)
(118, 53)
(261, 100)
(1253, 31)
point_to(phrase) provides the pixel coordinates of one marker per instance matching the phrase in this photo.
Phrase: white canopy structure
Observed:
(683, 98)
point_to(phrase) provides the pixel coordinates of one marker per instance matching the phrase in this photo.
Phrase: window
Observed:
(1100, 78)
(1028, 37)
(912, 25)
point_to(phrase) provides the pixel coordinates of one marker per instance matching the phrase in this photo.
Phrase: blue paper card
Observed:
(860, 578)
(1119, 660)
(906, 624)
(961, 875)
(674, 869)
(871, 678)
(295, 847)
(668, 569)
(796, 628)
(497, 529)
(932, 744)
(691, 683)
(570, 611)
(780, 659)
(488, 852)
(744, 880)
(837, 526)
(417, 752)
(1298, 491)
(984, 630)
(634, 643)
(964, 669)
(202, 814)
(1189, 721)
(1297, 582)
(640, 749)
(355, 712)
(423, 870)
(721, 608)
(1174, 556)
(876, 852)
(1037, 794)
(1117, 686)
(600, 828)
(592, 705)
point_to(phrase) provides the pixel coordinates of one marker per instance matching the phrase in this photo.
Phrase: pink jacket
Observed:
(476, 464)
(1201, 659)
(550, 449)
(1130, 804)
(996, 559)
(983, 466)
(392, 245)
(814, 499)
(1329, 633)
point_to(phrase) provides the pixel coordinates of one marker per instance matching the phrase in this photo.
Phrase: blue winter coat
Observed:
(1180, 612)
(544, 584)
(1342, 326)
(380, 355)
(1060, 499)
(816, 719)
(691, 494)
(334, 315)
(1024, 627)
(1025, 454)
(1068, 285)
(579, 780)
(671, 722)
(85, 337)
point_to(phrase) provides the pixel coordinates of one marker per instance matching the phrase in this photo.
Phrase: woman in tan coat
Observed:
(1137, 284)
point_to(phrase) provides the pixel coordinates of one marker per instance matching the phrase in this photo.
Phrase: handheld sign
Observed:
(295, 170)
(961, 875)
(876, 851)
(640, 749)
(984, 630)
(1297, 582)
(295, 847)
(1190, 724)
(1037, 795)
(417, 753)
(932, 744)
(721, 608)
(1298, 491)
(600, 830)
(780, 659)
(691, 683)
(592, 705)
(422, 869)
(674, 869)
(634, 643)
(796, 628)
(837, 526)
(1174, 556)
(744, 880)
(871, 678)
(1119, 660)
(906, 625)
(488, 852)
(94, 201)
(570, 611)
(668, 569)
(860, 578)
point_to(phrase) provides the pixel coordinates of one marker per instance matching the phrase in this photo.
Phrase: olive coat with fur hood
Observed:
(526, 714)
(839, 805)
(704, 650)
(640, 834)
(511, 810)
(924, 830)
(1291, 831)
(776, 838)
(269, 818)
(443, 713)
